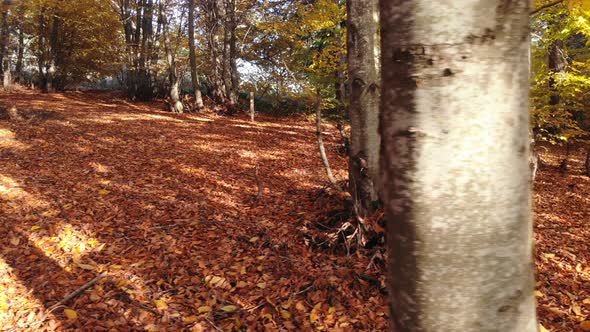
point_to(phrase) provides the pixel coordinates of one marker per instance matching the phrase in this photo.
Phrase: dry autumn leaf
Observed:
(71, 314)
(203, 309)
(230, 308)
(161, 304)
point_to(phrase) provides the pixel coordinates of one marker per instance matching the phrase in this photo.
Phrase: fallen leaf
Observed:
(229, 308)
(71, 314)
(313, 317)
(285, 314)
(585, 325)
(103, 192)
(161, 304)
(203, 309)
(86, 266)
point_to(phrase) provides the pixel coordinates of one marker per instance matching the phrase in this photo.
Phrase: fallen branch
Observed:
(551, 4)
(77, 291)
(323, 155)
(281, 298)
(213, 324)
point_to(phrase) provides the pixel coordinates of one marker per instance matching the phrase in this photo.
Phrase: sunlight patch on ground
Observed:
(8, 140)
(198, 118)
(100, 168)
(68, 247)
(16, 197)
(14, 294)
(244, 126)
(132, 117)
(100, 120)
(246, 154)
(300, 177)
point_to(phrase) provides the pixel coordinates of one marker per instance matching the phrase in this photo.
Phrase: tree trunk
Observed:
(193, 56)
(557, 65)
(252, 110)
(325, 161)
(50, 66)
(454, 165)
(18, 72)
(4, 45)
(233, 52)
(227, 67)
(175, 103)
(145, 90)
(365, 76)
(211, 10)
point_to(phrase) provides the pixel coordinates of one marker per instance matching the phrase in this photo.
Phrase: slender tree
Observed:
(456, 186)
(365, 76)
(192, 55)
(175, 103)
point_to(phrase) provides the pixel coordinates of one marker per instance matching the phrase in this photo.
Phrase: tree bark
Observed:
(193, 56)
(227, 55)
(4, 49)
(51, 66)
(18, 72)
(211, 10)
(557, 65)
(364, 74)
(175, 102)
(252, 110)
(454, 165)
(588, 163)
(233, 52)
(323, 155)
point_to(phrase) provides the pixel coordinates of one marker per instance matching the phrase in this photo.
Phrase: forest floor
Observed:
(164, 207)
(167, 205)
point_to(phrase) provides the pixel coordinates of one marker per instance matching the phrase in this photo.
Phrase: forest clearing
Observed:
(166, 204)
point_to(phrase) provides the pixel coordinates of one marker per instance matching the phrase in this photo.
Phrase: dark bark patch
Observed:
(403, 56)
(448, 72)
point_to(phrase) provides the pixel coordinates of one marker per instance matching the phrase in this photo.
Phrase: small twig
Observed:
(166, 226)
(304, 290)
(551, 4)
(282, 297)
(78, 291)
(213, 324)
(68, 298)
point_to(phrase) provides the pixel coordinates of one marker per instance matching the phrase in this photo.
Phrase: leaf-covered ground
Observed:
(562, 233)
(166, 205)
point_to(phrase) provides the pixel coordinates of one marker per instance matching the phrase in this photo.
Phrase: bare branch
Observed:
(545, 6)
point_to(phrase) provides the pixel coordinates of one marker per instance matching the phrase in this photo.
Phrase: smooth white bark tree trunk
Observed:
(454, 165)
(364, 71)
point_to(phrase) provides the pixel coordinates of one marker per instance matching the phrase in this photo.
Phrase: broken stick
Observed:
(78, 291)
